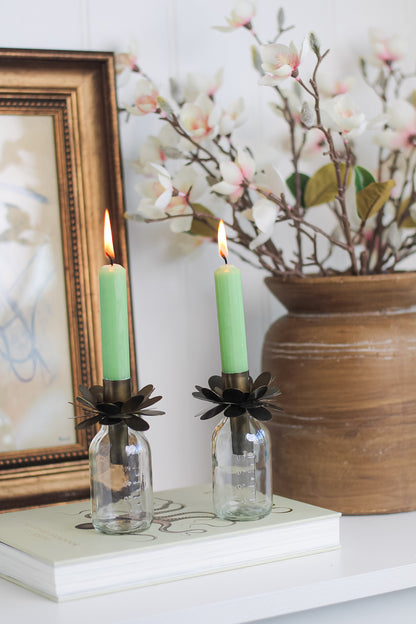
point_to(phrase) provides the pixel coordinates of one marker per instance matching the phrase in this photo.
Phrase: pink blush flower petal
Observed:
(164, 199)
(237, 194)
(231, 173)
(224, 188)
(246, 164)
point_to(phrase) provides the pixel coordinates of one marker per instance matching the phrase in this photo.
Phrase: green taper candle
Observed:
(230, 311)
(114, 314)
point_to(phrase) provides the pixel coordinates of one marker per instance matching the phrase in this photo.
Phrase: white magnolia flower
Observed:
(197, 84)
(235, 175)
(156, 194)
(279, 62)
(393, 236)
(241, 15)
(166, 196)
(330, 88)
(185, 182)
(262, 238)
(179, 208)
(264, 214)
(165, 182)
(401, 134)
(386, 50)
(200, 118)
(314, 144)
(232, 117)
(270, 180)
(145, 99)
(127, 60)
(149, 152)
(341, 114)
(150, 190)
(264, 211)
(155, 150)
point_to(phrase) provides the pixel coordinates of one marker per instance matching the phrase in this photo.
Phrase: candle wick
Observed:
(110, 258)
(224, 257)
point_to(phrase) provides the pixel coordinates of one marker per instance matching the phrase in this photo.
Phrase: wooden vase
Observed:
(345, 359)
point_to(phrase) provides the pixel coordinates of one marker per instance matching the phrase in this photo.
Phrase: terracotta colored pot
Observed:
(345, 359)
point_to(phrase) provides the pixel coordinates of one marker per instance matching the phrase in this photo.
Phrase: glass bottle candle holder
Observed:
(120, 474)
(241, 469)
(241, 444)
(121, 480)
(241, 463)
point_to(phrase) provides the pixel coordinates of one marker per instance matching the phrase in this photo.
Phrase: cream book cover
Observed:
(56, 551)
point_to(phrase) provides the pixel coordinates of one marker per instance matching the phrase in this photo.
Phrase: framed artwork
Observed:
(59, 170)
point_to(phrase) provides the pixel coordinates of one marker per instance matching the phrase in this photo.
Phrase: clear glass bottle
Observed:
(241, 469)
(121, 480)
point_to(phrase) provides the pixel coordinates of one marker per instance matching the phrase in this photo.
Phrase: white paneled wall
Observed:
(173, 295)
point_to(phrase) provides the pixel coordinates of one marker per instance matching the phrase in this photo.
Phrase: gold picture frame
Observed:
(59, 114)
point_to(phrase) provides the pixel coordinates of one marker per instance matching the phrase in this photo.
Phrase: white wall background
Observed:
(173, 296)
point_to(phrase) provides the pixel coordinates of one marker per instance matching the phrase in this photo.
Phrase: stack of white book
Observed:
(55, 551)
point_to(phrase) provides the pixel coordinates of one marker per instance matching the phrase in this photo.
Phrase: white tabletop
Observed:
(378, 556)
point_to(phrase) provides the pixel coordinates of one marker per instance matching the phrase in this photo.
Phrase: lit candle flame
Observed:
(108, 238)
(222, 242)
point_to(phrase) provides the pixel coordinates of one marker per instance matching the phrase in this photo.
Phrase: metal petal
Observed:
(86, 403)
(108, 420)
(138, 424)
(198, 395)
(234, 410)
(98, 393)
(232, 395)
(209, 395)
(151, 401)
(87, 423)
(262, 380)
(133, 404)
(146, 391)
(273, 392)
(108, 408)
(216, 383)
(86, 412)
(86, 394)
(259, 392)
(260, 413)
(213, 412)
(150, 412)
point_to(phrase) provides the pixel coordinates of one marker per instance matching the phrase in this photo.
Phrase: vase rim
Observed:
(345, 293)
(315, 278)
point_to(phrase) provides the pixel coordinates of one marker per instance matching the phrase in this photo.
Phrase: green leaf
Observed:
(164, 105)
(323, 186)
(362, 178)
(280, 18)
(314, 43)
(291, 184)
(256, 59)
(412, 98)
(171, 152)
(372, 198)
(206, 229)
(363, 66)
(407, 222)
(175, 90)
